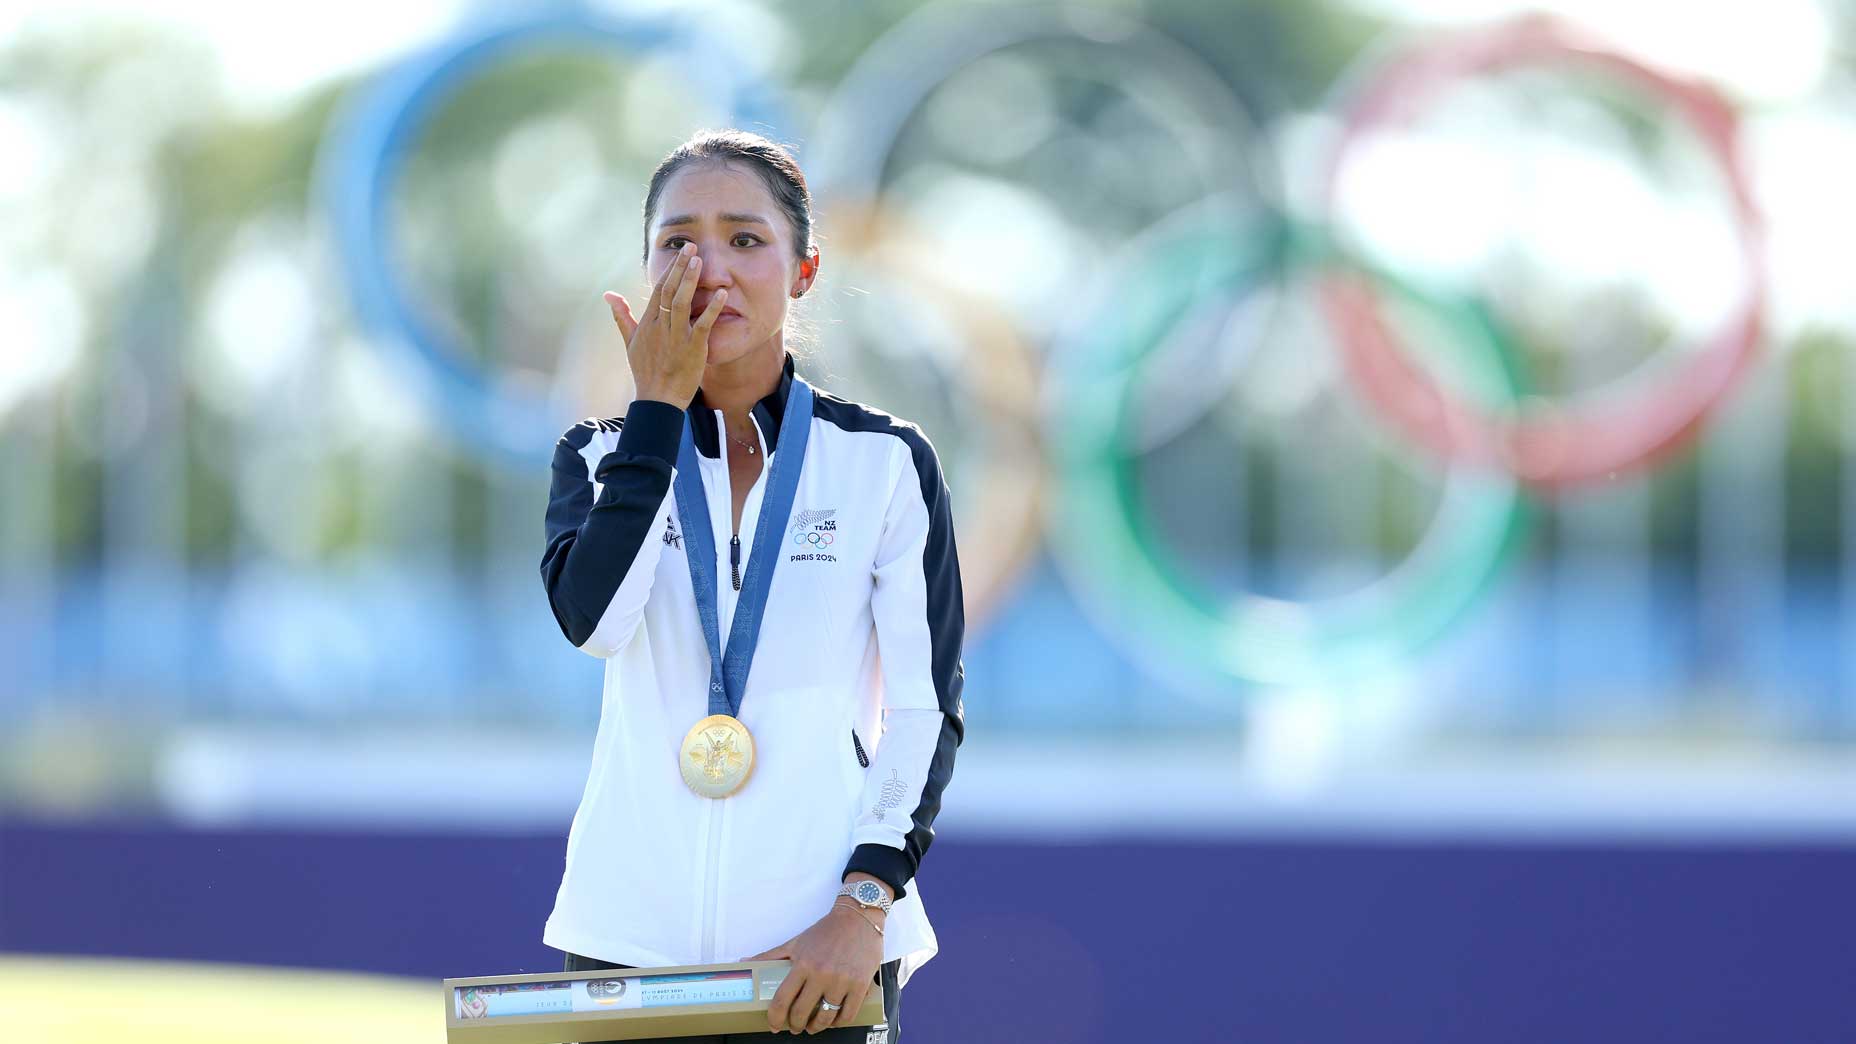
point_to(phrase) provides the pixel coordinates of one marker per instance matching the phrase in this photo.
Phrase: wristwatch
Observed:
(867, 894)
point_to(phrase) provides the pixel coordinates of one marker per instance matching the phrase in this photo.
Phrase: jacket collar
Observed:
(767, 413)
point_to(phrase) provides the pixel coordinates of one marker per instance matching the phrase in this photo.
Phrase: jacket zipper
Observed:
(734, 559)
(708, 896)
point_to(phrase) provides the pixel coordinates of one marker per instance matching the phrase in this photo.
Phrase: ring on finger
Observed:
(829, 1006)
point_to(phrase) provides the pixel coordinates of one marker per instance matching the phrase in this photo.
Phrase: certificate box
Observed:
(621, 1004)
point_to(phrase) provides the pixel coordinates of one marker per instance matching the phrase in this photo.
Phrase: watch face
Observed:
(868, 893)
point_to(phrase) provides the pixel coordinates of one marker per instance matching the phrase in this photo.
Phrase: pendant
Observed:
(717, 756)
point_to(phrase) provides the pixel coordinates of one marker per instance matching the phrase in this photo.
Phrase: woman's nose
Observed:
(714, 270)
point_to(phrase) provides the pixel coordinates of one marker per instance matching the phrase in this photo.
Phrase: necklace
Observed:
(749, 446)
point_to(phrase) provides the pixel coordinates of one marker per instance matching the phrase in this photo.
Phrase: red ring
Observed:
(1579, 441)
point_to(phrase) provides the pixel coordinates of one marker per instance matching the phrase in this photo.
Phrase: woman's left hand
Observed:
(835, 960)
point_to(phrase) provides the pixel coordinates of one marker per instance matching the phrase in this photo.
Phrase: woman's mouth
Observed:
(697, 308)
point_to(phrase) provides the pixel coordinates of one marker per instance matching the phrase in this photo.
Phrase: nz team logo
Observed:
(891, 797)
(812, 533)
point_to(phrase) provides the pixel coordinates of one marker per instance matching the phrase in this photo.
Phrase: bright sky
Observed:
(1771, 50)
(271, 52)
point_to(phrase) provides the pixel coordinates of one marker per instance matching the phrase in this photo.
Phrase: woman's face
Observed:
(746, 245)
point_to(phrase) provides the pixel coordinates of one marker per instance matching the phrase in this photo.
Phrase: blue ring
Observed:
(368, 147)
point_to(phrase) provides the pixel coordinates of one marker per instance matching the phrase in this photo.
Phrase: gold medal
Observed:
(717, 756)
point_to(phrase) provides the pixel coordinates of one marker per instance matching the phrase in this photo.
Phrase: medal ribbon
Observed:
(728, 677)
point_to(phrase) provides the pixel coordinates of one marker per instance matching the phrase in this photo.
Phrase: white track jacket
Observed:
(854, 697)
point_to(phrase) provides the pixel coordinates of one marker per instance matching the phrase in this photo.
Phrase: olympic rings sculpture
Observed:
(1613, 429)
(865, 117)
(1108, 539)
(1000, 515)
(1090, 432)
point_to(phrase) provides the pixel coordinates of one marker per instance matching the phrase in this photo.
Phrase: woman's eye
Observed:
(743, 239)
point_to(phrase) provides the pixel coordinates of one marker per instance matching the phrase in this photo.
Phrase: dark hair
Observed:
(770, 160)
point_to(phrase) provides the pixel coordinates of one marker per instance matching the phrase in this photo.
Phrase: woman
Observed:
(753, 795)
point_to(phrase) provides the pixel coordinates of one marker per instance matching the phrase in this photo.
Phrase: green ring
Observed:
(1099, 526)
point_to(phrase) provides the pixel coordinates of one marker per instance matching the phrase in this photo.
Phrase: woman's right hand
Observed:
(665, 350)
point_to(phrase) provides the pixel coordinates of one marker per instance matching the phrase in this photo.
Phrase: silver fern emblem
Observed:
(808, 519)
(891, 797)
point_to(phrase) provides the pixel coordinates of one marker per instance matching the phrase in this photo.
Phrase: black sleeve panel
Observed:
(593, 543)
